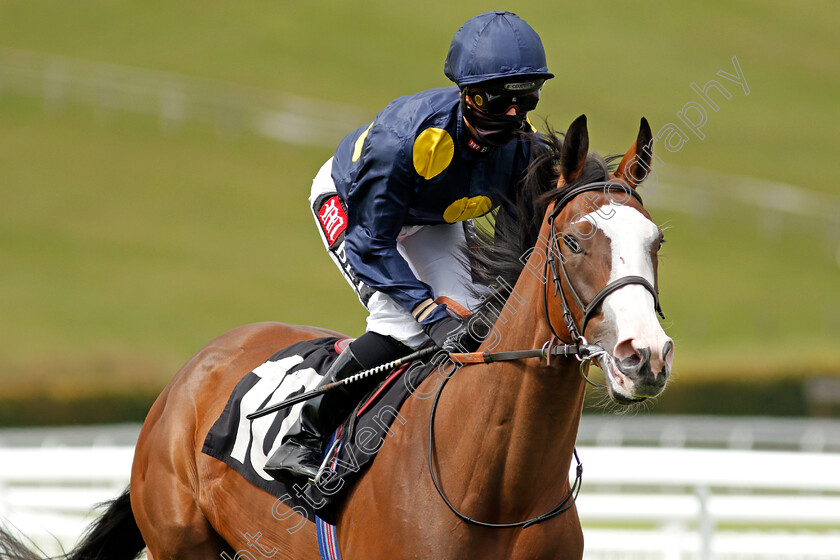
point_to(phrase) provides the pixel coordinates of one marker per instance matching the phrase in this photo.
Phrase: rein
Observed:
(548, 350)
(583, 352)
(579, 348)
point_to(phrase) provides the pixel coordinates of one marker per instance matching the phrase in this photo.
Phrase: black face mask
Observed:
(492, 130)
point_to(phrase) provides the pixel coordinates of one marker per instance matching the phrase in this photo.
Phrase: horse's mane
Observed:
(497, 254)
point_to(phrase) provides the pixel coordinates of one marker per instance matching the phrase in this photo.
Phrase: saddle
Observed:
(245, 445)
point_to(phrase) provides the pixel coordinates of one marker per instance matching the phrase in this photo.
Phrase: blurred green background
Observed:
(155, 160)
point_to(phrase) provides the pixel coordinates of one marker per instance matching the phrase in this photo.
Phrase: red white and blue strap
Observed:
(327, 540)
(326, 533)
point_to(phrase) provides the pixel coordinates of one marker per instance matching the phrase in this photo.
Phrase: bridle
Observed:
(579, 347)
(553, 256)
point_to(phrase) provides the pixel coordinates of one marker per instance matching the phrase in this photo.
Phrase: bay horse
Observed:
(580, 256)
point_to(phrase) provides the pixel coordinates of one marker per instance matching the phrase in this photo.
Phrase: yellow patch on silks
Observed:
(533, 128)
(433, 151)
(360, 141)
(467, 209)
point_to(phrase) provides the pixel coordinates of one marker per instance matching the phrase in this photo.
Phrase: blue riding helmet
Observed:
(492, 46)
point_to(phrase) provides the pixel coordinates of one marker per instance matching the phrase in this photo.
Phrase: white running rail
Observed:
(635, 503)
(175, 98)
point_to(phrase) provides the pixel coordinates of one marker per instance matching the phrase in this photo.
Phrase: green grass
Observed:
(117, 241)
(747, 299)
(124, 248)
(615, 61)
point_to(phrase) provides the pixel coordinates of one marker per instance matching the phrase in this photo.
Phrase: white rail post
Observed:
(706, 525)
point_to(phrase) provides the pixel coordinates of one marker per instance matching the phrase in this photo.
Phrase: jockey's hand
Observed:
(451, 335)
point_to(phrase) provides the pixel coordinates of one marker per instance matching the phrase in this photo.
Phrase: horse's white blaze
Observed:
(630, 309)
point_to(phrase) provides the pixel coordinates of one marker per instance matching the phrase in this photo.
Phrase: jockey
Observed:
(393, 202)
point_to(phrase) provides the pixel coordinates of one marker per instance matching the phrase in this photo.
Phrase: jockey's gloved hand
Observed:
(450, 333)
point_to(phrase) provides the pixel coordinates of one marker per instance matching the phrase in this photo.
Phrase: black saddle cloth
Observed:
(245, 445)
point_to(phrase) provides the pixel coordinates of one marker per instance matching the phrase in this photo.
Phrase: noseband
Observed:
(582, 348)
(554, 259)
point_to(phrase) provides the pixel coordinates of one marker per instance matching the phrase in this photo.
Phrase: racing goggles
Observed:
(496, 101)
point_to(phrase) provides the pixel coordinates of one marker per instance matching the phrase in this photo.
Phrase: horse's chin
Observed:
(619, 386)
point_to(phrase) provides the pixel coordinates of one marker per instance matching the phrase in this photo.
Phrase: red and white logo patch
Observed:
(333, 219)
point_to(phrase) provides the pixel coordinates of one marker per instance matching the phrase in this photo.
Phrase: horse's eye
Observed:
(572, 243)
(661, 242)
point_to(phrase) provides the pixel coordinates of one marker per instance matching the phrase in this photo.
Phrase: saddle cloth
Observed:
(245, 445)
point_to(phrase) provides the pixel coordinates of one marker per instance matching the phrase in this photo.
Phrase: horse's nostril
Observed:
(624, 350)
(636, 362)
(667, 349)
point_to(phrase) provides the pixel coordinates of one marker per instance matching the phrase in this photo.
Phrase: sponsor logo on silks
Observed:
(476, 146)
(362, 290)
(333, 220)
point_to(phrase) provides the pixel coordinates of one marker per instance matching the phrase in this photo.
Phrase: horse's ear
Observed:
(575, 148)
(635, 165)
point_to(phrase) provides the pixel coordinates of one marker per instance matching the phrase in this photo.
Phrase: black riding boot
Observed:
(302, 450)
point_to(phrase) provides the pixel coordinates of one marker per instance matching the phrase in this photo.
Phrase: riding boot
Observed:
(302, 449)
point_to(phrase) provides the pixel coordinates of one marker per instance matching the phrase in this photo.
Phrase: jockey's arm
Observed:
(377, 204)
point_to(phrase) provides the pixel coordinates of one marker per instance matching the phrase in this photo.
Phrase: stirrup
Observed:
(324, 465)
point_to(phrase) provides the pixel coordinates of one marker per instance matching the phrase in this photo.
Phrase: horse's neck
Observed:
(519, 419)
(545, 401)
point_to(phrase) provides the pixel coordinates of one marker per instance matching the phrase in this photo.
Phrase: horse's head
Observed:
(606, 270)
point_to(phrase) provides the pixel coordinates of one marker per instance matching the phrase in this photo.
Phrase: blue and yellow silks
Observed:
(413, 166)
